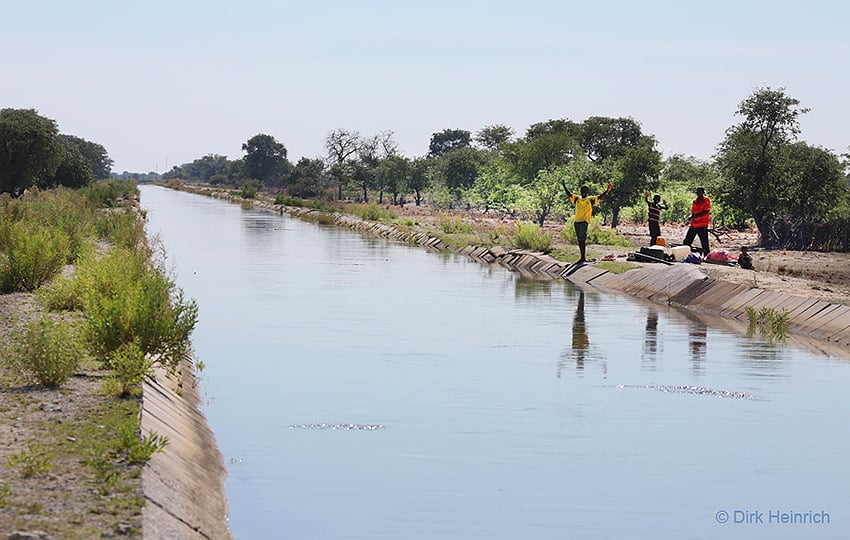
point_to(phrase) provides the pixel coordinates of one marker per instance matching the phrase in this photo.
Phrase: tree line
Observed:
(761, 173)
(34, 153)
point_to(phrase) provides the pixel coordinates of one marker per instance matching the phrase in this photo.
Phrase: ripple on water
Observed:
(685, 389)
(339, 427)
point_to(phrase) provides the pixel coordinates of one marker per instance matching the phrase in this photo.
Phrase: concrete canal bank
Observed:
(183, 485)
(681, 285)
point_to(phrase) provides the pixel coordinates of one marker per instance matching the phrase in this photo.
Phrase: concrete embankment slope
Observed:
(682, 285)
(183, 485)
(685, 285)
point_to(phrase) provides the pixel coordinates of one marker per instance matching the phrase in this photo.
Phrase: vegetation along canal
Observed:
(360, 388)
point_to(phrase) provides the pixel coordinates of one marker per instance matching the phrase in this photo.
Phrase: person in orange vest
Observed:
(584, 210)
(698, 220)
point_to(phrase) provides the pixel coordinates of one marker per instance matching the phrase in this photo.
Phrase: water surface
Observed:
(360, 388)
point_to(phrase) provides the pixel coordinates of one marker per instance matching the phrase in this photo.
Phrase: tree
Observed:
(447, 140)
(460, 168)
(306, 178)
(420, 178)
(75, 171)
(392, 174)
(341, 144)
(544, 193)
(265, 158)
(493, 137)
(637, 170)
(30, 149)
(94, 154)
(604, 138)
(540, 152)
(752, 157)
(814, 182)
(630, 157)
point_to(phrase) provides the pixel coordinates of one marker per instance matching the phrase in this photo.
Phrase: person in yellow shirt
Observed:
(584, 210)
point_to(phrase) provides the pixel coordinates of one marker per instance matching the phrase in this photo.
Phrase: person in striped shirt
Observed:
(656, 205)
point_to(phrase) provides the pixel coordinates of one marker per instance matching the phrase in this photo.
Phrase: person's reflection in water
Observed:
(649, 358)
(697, 332)
(581, 343)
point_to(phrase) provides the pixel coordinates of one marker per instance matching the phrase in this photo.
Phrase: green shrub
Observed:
(130, 367)
(530, 236)
(123, 227)
(33, 255)
(61, 294)
(595, 234)
(46, 351)
(321, 205)
(110, 193)
(370, 212)
(451, 224)
(61, 209)
(126, 300)
(288, 201)
(250, 189)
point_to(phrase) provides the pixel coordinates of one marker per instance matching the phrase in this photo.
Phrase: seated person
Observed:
(745, 261)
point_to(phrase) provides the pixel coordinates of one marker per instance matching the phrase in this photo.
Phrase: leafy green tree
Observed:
(265, 158)
(306, 179)
(493, 137)
(637, 171)
(448, 140)
(95, 155)
(604, 138)
(393, 174)
(30, 149)
(764, 171)
(630, 157)
(544, 193)
(815, 185)
(419, 179)
(498, 186)
(460, 168)
(74, 171)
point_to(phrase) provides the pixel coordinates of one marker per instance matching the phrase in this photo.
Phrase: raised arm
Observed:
(566, 189)
(607, 191)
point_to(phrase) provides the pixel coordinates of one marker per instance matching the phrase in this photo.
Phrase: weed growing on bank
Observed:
(532, 237)
(451, 224)
(31, 254)
(768, 323)
(31, 461)
(46, 351)
(370, 211)
(595, 234)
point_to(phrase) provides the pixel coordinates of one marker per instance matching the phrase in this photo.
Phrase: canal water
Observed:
(360, 388)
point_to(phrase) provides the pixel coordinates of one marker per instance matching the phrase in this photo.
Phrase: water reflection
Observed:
(581, 343)
(762, 359)
(649, 355)
(697, 343)
(580, 351)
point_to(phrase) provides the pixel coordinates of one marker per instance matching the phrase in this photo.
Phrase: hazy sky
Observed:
(160, 83)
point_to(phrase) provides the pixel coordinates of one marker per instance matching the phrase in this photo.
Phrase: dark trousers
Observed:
(654, 232)
(702, 232)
